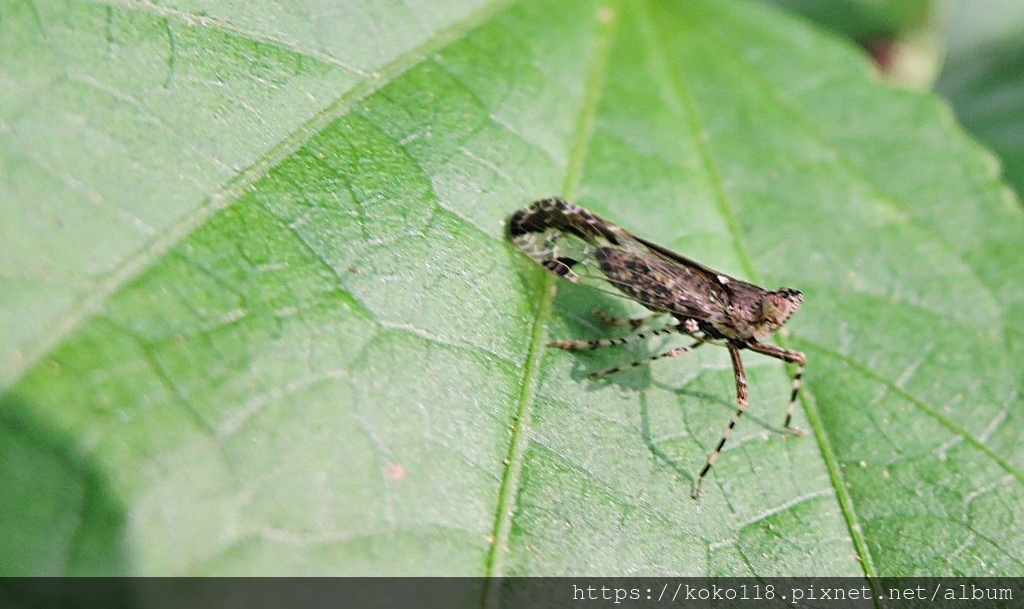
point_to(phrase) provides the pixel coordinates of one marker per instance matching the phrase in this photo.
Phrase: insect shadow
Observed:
(703, 438)
(576, 312)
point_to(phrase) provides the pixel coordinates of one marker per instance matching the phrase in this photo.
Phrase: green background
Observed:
(258, 314)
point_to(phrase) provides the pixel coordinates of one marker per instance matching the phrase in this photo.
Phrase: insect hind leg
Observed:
(582, 345)
(676, 352)
(634, 322)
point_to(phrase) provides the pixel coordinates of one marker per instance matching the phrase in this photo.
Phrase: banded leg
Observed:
(670, 353)
(580, 345)
(792, 357)
(618, 321)
(741, 407)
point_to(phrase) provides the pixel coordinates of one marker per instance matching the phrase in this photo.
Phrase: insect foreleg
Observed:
(790, 356)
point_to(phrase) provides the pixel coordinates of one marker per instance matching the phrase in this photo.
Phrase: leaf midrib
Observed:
(525, 404)
(831, 461)
(526, 399)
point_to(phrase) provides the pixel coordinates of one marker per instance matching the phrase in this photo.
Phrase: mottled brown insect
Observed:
(709, 306)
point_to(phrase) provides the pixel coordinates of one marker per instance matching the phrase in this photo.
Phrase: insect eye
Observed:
(790, 294)
(777, 306)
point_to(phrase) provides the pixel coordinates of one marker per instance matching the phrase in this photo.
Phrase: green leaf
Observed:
(260, 315)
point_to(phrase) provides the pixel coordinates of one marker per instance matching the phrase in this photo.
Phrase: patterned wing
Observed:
(580, 246)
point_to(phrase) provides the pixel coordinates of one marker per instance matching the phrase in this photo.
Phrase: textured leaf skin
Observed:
(259, 315)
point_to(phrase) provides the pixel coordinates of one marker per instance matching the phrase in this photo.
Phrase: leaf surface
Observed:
(319, 354)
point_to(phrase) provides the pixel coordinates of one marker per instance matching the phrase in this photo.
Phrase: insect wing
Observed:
(708, 274)
(662, 280)
(567, 255)
(582, 247)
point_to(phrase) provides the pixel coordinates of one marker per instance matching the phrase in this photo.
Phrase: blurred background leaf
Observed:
(259, 315)
(982, 77)
(972, 53)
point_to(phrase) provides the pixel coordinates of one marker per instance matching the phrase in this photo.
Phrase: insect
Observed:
(709, 306)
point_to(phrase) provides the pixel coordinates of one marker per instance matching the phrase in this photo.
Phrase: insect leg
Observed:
(580, 345)
(790, 356)
(741, 407)
(797, 379)
(670, 353)
(618, 321)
